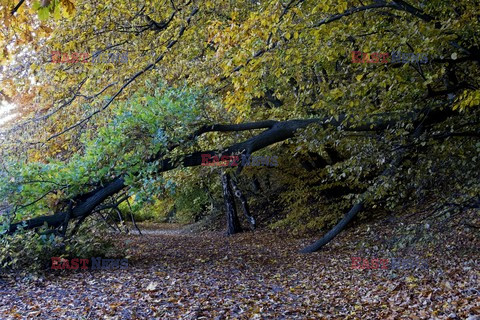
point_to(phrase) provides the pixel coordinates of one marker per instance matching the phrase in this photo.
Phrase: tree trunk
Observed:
(398, 158)
(243, 201)
(276, 132)
(317, 245)
(171, 214)
(233, 224)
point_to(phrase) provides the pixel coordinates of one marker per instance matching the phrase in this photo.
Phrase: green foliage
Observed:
(191, 203)
(31, 251)
(27, 251)
(157, 211)
(261, 60)
(139, 128)
(445, 169)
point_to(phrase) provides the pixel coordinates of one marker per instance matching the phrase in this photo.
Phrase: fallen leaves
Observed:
(152, 286)
(261, 275)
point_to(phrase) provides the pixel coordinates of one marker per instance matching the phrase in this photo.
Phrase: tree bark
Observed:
(243, 200)
(317, 245)
(233, 224)
(83, 209)
(276, 132)
(357, 208)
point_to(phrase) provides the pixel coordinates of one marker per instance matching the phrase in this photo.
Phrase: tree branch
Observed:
(19, 4)
(128, 82)
(399, 5)
(278, 132)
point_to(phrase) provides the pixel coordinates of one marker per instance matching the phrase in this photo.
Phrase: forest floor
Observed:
(173, 274)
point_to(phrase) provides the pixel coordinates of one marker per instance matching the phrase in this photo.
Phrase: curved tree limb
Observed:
(15, 9)
(278, 132)
(358, 207)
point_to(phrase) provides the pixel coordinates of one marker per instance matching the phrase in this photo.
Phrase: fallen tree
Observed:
(294, 68)
(84, 205)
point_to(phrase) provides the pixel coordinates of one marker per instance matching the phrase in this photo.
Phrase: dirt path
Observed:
(258, 275)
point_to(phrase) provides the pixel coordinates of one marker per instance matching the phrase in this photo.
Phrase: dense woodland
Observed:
(369, 108)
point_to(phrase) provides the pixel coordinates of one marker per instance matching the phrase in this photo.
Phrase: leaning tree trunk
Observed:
(243, 201)
(357, 208)
(317, 245)
(233, 224)
(276, 132)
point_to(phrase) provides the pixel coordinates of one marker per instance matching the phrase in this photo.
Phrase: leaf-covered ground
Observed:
(260, 275)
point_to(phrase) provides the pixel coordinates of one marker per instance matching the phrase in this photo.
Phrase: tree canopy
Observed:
(273, 77)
